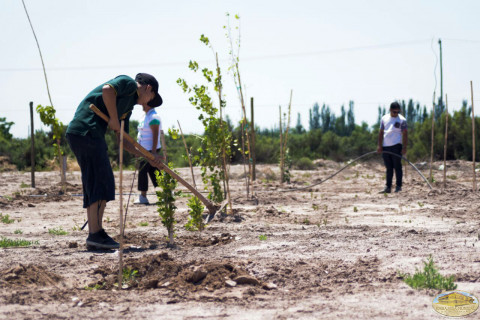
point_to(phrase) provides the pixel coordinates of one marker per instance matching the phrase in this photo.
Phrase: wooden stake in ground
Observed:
(281, 145)
(254, 176)
(445, 145)
(32, 150)
(226, 183)
(288, 128)
(473, 141)
(188, 154)
(433, 129)
(120, 189)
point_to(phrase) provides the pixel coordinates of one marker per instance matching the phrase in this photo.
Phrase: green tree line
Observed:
(328, 136)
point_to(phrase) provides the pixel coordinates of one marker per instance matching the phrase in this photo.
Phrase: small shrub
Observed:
(430, 278)
(304, 164)
(262, 237)
(6, 219)
(195, 222)
(355, 209)
(143, 224)
(57, 231)
(129, 276)
(18, 231)
(306, 221)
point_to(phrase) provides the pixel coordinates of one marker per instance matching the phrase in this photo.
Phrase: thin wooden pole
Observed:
(433, 131)
(226, 183)
(188, 154)
(288, 124)
(32, 149)
(281, 145)
(473, 141)
(120, 251)
(254, 176)
(445, 145)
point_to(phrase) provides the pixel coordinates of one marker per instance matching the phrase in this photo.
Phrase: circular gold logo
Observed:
(455, 303)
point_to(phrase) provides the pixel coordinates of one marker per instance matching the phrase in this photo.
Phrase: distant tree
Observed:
(299, 128)
(5, 128)
(340, 125)
(350, 118)
(314, 120)
(327, 119)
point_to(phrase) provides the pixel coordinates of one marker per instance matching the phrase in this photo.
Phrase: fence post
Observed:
(32, 149)
(473, 141)
(253, 141)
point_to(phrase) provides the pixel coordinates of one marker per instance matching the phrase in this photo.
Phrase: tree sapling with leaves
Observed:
(166, 202)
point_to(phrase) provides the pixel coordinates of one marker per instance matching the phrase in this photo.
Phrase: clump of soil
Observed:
(182, 278)
(26, 276)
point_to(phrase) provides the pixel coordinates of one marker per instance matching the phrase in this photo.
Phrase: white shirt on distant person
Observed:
(145, 134)
(393, 128)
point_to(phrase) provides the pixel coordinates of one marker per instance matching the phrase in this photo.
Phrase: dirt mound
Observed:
(26, 276)
(199, 241)
(184, 279)
(6, 165)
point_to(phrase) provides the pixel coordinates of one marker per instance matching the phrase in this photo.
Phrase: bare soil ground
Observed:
(330, 252)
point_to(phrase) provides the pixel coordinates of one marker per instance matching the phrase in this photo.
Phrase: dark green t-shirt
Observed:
(85, 120)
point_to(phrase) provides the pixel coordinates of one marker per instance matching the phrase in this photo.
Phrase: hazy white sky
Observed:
(371, 52)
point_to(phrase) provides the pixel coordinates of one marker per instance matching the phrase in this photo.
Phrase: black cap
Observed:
(395, 106)
(145, 78)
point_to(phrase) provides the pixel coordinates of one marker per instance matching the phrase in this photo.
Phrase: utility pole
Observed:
(441, 73)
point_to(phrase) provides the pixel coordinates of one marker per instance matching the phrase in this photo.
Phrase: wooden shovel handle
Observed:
(210, 206)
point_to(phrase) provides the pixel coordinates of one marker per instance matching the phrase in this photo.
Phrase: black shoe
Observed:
(101, 240)
(398, 189)
(386, 190)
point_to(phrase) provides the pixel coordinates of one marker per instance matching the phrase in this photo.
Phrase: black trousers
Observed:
(393, 163)
(146, 170)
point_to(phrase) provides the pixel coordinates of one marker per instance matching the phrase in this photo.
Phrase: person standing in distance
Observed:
(86, 136)
(393, 138)
(151, 137)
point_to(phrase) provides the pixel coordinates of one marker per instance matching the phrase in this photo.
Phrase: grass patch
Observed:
(6, 219)
(143, 224)
(57, 231)
(429, 278)
(18, 231)
(5, 243)
(95, 287)
(262, 237)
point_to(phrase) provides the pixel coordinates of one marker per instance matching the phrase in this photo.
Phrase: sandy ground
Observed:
(330, 252)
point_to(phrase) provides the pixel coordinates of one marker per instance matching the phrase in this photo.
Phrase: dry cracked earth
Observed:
(331, 251)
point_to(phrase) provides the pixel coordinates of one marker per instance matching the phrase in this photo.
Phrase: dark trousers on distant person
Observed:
(393, 163)
(146, 170)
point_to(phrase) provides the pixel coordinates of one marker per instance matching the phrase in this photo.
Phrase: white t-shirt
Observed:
(393, 128)
(145, 134)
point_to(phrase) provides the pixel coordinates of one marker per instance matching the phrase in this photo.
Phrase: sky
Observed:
(325, 52)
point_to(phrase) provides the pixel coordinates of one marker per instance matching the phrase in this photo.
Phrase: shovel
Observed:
(212, 208)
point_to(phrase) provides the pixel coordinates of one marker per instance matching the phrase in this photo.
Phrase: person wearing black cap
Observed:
(86, 136)
(393, 138)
